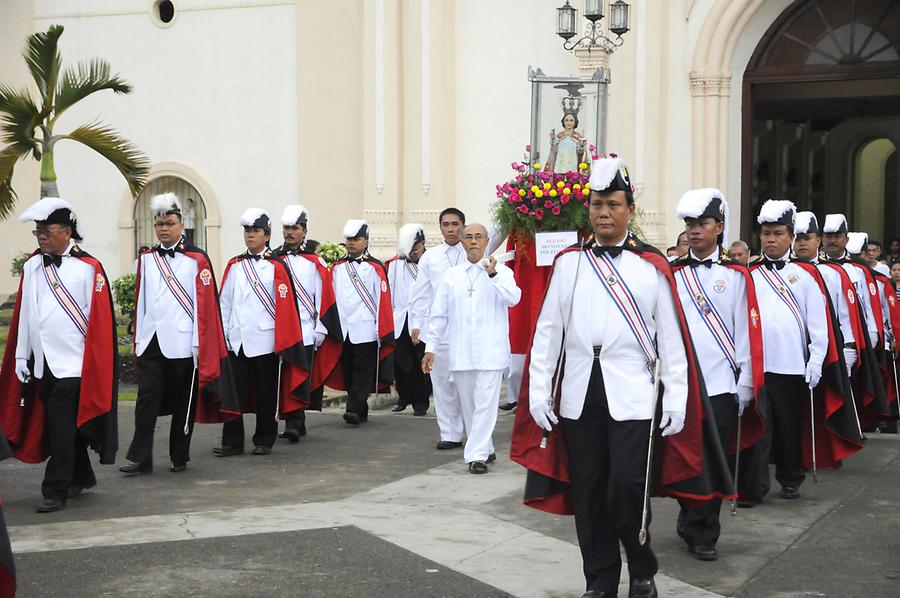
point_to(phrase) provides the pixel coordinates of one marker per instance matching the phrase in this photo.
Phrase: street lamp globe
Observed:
(565, 21)
(593, 10)
(619, 17)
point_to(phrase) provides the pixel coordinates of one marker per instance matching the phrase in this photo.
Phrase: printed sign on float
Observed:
(547, 245)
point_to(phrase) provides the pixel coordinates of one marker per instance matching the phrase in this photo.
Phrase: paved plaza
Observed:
(376, 511)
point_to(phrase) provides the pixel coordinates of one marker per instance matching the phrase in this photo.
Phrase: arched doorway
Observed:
(822, 86)
(193, 211)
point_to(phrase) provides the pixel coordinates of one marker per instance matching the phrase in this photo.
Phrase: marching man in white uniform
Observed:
(432, 267)
(471, 310)
(795, 337)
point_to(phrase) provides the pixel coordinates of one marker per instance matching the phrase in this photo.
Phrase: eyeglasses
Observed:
(476, 237)
(165, 224)
(46, 231)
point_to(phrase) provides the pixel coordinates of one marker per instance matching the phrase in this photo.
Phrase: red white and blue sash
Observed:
(413, 269)
(262, 293)
(65, 299)
(781, 288)
(360, 287)
(710, 316)
(175, 287)
(624, 299)
(303, 295)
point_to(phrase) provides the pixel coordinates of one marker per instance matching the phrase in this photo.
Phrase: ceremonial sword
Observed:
(642, 536)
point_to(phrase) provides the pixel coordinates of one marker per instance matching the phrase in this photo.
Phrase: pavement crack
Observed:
(184, 523)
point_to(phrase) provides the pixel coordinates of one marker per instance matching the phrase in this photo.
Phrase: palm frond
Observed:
(78, 82)
(44, 62)
(123, 154)
(8, 158)
(18, 119)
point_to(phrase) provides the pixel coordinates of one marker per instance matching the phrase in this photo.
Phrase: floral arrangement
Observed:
(541, 200)
(332, 252)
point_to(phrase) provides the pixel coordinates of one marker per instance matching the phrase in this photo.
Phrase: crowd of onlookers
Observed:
(887, 263)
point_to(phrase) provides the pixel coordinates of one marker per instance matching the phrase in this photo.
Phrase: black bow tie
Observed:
(52, 259)
(694, 262)
(251, 256)
(614, 251)
(166, 252)
(357, 260)
(774, 264)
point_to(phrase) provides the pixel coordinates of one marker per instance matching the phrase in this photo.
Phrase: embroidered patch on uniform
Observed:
(851, 298)
(612, 280)
(793, 279)
(282, 290)
(872, 289)
(891, 300)
(205, 277)
(322, 262)
(719, 286)
(754, 317)
(100, 282)
(384, 286)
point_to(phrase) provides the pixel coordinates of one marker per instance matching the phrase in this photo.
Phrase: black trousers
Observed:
(413, 385)
(69, 463)
(783, 402)
(296, 420)
(700, 526)
(358, 363)
(163, 379)
(257, 377)
(607, 464)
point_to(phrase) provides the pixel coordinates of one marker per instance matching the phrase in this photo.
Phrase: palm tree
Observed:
(27, 126)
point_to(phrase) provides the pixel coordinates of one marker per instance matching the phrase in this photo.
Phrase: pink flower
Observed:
(528, 148)
(539, 213)
(595, 157)
(564, 199)
(534, 202)
(523, 208)
(519, 178)
(548, 204)
(555, 210)
(586, 204)
(592, 147)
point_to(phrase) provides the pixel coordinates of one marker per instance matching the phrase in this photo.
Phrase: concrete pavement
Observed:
(376, 511)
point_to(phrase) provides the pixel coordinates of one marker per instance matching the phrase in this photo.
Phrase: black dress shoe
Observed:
(642, 588)
(228, 451)
(790, 493)
(178, 467)
(50, 505)
(478, 467)
(351, 418)
(508, 406)
(746, 503)
(292, 435)
(131, 468)
(262, 450)
(420, 413)
(446, 445)
(597, 594)
(704, 552)
(491, 458)
(398, 408)
(75, 489)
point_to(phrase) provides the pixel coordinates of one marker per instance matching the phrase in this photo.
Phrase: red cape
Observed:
(217, 401)
(837, 436)
(753, 425)
(328, 355)
(890, 368)
(386, 341)
(532, 280)
(688, 465)
(22, 412)
(288, 338)
(7, 563)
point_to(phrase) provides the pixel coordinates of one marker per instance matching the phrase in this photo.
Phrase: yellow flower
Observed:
(587, 186)
(582, 166)
(553, 193)
(534, 188)
(546, 186)
(567, 191)
(560, 184)
(521, 192)
(539, 193)
(576, 186)
(537, 165)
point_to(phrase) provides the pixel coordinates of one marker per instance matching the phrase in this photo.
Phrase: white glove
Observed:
(320, 338)
(813, 374)
(22, 371)
(671, 423)
(195, 353)
(850, 358)
(543, 415)
(744, 397)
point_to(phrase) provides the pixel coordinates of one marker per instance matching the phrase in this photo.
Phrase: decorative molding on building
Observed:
(379, 95)
(590, 60)
(426, 96)
(652, 222)
(705, 86)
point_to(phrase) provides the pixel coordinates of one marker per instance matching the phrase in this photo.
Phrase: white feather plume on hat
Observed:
(164, 203)
(774, 209)
(604, 170)
(693, 203)
(408, 236)
(834, 222)
(353, 227)
(803, 221)
(293, 214)
(252, 215)
(42, 209)
(856, 242)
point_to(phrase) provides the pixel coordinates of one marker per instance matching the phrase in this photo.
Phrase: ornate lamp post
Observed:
(594, 37)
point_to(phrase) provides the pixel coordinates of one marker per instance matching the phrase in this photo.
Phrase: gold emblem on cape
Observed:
(100, 282)
(282, 290)
(754, 317)
(793, 279)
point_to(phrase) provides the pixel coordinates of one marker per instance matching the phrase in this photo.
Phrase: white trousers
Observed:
(479, 391)
(514, 377)
(446, 401)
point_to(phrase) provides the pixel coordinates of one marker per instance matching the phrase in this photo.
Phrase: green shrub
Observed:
(18, 263)
(123, 293)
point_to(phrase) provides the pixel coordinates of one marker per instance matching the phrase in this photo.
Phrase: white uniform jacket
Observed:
(160, 313)
(357, 320)
(246, 321)
(45, 329)
(306, 276)
(838, 300)
(434, 263)
(596, 321)
(402, 276)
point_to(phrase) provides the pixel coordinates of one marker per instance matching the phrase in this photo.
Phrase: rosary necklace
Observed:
(472, 281)
(447, 255)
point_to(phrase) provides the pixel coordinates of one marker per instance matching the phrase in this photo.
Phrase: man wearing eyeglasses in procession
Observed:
(58, 383)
